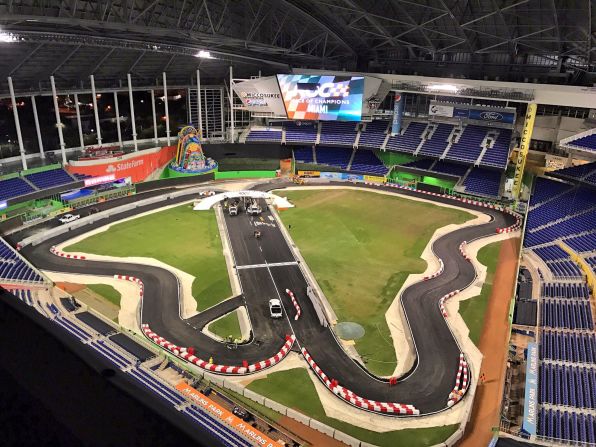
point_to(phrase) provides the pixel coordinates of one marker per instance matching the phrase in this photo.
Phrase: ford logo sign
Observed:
(491, 116)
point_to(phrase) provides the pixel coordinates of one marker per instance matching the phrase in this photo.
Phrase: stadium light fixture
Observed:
(8, 37)
(204, 54)
(443, 88)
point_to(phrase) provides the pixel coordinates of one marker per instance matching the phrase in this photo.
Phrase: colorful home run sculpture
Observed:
(189, 155)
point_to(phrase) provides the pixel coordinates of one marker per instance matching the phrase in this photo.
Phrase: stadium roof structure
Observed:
(548, 41)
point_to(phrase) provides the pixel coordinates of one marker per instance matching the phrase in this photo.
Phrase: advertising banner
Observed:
(524, 147)
(460, 113)
(316, 97)
(261, 95)
(332, 175)
(531, 397)
(3, 204)
(312, 174)
(374, 179)
(137, 165)
(242, 427)
(440, 110)
(398, 110)
(99, 180)
(491, 115)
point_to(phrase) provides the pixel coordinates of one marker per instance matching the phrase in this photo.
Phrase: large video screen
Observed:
(331, 98)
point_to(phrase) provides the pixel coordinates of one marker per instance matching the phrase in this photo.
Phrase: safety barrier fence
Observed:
(295, 303)
(57, 252)
(355, 400)
(438, 272)
(188, 355)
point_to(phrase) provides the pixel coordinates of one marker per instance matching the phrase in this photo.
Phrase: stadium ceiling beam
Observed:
(514, 40)
(308, 15)
(101, 61)
(217, 44)
(26, 58)
(457, 21)
(65, 59)
(498, 11)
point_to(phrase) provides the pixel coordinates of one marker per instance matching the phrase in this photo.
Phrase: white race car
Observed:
(275, 308)
(67, 218)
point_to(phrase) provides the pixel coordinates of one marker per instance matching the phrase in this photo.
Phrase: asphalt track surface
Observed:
(426, 386)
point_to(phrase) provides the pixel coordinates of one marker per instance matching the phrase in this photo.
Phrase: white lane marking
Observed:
(281, 300)
(274, 264)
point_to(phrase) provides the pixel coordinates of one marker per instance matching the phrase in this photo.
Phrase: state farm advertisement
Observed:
(136, 165)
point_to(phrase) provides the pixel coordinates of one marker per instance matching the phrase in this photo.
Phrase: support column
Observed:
(231, 106)
(37, 129)
(117, 110)
(199, 103)
(154, 117)
(524, 147)
(132, 113)
(79, 126)
(165, 97)
(17, 123)
(58, 122)
(95, 111)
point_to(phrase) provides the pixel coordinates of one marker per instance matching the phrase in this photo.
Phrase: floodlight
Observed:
(204, 54)
(443, 88)
(8, 37)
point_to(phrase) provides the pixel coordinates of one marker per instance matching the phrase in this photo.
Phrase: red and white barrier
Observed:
(442, 302)
(133, 279)
(462, 250)
(355, 400)
(207, 193)
(295, 303)
(437, 273)
(57, 252)
(516, 226)
(461, 382)
(187, 354)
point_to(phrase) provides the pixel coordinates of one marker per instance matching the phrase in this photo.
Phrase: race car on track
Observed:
(275, 308)
(67, 218)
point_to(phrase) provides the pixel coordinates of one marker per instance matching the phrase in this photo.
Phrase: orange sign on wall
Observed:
(246, 430)
(138, 166)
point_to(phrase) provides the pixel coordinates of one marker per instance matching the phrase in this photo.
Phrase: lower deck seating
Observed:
(567, 426)
(303, 155)
(567, 385)
(264, 135)
(566, 314)
(366, 161)
(49, 179)
(568, 346)
(484, 182)
(14, 187)
(334, 156)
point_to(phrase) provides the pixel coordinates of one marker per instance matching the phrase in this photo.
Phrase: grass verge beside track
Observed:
(227, 326)
(473, 310)
(108, 292)
(281, 386)
(185, 239)
(361, 247)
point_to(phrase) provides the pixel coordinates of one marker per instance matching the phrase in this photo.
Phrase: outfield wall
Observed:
(244, 174)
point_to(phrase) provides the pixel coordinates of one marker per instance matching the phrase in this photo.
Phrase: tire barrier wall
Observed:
(355, 400)
(295, 303)
(461, 382)
(437, 273)
(57, 252)
(442, 302)
(188, 355)
(132, 279)
(462, 250)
